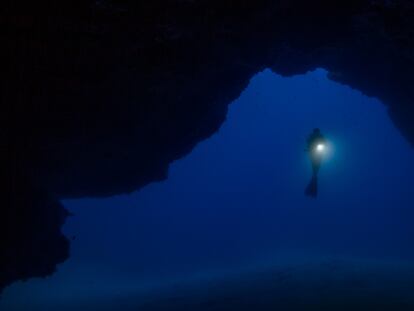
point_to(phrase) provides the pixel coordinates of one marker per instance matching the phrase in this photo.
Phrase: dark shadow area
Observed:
(101, 96)
(231, 229)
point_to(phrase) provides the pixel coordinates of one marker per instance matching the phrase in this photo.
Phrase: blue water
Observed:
(237, 201)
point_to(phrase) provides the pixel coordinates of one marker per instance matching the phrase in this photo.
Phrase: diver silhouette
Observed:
(316, 145)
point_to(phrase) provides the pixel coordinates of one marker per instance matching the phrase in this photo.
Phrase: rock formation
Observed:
(100, 96)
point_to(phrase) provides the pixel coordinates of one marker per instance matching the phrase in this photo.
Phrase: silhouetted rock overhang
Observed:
(102, 95)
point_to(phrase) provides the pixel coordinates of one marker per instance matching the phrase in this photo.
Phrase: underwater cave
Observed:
(106, 99)
(233, 212)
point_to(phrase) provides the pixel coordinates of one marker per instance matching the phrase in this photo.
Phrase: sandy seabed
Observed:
(316, 284)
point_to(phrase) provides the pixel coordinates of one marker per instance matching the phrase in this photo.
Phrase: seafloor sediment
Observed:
(297, 283)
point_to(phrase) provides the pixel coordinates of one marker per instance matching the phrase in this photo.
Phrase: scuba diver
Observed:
(316, 147)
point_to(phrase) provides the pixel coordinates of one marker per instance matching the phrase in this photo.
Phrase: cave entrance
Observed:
(237, 200)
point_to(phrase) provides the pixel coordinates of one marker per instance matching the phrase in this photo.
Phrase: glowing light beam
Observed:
(320, 148)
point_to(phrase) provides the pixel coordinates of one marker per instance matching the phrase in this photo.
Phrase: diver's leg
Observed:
(315, 168)
(312, 188)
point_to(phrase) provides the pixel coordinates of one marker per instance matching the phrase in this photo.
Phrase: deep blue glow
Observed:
(237, 200)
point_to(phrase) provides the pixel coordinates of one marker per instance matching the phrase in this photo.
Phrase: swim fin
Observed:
(312, 188)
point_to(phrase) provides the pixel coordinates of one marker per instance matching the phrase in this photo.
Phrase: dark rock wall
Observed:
(100, 96)
(31, 241)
